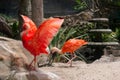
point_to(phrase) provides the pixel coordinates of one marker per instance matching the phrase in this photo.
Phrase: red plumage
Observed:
(37, 40)
(69, 46)
(72, 45)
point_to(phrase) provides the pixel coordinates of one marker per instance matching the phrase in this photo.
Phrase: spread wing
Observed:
(45, 33)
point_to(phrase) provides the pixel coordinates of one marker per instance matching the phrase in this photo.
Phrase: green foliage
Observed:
(13, 23)
(66, 33)
(81, 57)
(115, 2)
(112, 2)
(114, 36)
(109, 37)
(117, 34)
(80, 5)
(62, 36)
(15, 29)
(106, 37)
(7, 18)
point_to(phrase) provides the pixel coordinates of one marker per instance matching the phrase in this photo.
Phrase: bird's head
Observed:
(25, 26)
(28, 23)
(55, 50)
(28, 28)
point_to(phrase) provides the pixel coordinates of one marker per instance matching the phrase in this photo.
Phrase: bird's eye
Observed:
(25, 27)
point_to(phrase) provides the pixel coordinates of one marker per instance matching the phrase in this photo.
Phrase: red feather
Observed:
(45, 33)
(72, 45)
(36, 40)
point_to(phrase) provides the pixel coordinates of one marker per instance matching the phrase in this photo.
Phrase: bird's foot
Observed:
(70, 62)
(31, 68)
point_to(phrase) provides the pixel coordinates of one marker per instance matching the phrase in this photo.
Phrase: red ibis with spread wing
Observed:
(36, 40)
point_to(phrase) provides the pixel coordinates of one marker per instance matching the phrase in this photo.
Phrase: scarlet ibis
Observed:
(69, 46)
(36, 40)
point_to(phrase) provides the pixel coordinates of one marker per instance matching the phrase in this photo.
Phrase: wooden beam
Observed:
(101, 30)
(103, 43)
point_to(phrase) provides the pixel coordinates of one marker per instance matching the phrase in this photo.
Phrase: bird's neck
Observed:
(27, 35)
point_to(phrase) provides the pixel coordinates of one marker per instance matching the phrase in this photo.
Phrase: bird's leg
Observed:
(73, 56)
(70, 61)
(35, 61)
(65, 57)
(31, 63)
(30, 66)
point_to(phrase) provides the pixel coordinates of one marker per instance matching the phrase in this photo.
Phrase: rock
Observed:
(78, 19)
(33, 75)
(10, 48)
(114, 50)
(105, 59)
(5, 28)
(40, 75)
(14, 60)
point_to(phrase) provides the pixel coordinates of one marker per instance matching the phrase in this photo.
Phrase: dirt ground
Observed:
(106, 68)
